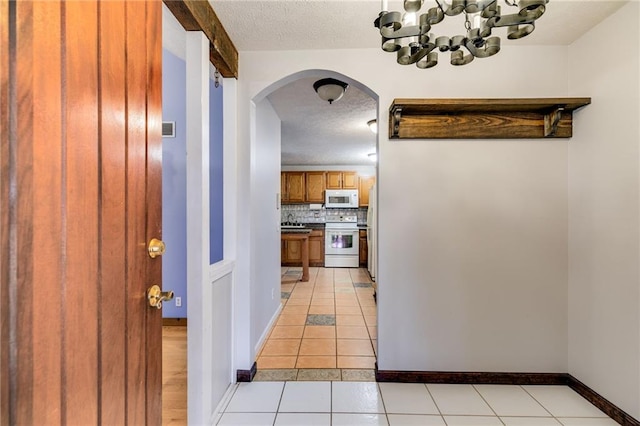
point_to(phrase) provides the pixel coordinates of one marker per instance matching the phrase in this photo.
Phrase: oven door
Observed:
(341, 241)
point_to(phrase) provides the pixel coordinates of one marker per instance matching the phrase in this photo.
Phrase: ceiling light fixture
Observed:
(373, 125)
(409, 34)
(373, 156)
(330, 89)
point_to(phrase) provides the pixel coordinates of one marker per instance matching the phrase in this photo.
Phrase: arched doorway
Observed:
(328, 323)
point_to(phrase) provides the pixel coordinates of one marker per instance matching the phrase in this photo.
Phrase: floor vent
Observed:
(168, 129)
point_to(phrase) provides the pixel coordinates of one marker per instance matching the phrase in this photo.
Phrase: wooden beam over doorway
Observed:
(197, 15)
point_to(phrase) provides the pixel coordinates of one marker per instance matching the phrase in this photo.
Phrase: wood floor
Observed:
(174, 375)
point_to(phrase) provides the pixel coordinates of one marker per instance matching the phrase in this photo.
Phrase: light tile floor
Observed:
(326, 329)
(398, 404)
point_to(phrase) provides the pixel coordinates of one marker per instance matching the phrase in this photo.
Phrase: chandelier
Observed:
(410, 35)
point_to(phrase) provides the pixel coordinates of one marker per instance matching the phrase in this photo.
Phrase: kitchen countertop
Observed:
(311, 226)
(295, 231)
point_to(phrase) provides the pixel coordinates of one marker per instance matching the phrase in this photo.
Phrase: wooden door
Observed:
(80, 197)
(365, 184)
(334, 180)
(363, 250)
(316, 248)
(294, 252)
(296, 187)
(284, 191)
(349, 180)
(315, 187)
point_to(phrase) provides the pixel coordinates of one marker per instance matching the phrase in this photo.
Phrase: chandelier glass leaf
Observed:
(410, 35)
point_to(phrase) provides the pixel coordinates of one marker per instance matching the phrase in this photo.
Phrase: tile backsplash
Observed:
(301, 213)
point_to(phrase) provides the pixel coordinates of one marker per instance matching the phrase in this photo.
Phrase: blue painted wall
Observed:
(174, 184)
(215, 173)
(174, 181)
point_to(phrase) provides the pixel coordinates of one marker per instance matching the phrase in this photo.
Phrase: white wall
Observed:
(604, 285)
(473, 234)
(265, 223)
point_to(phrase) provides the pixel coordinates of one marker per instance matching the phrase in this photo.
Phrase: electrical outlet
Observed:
(178, 301)
(273, 293)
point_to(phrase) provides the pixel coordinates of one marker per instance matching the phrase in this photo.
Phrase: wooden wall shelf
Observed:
(483, 118)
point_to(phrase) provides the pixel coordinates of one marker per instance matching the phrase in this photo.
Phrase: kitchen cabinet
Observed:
(291, 252)
(296, 245)
(315, 185)
(364, 253)
(342, 180)
(292, 187)
(366, 182)
(316, 247)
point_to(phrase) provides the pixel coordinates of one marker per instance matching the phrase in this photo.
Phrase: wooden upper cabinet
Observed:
(292, 187)
(349, 180)
(296, 187)
(334, 180)
(342, 180)
(284, 192)
(363, 189)
(315, 182)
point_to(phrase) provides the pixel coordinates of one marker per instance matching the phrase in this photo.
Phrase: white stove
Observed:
(341, 245)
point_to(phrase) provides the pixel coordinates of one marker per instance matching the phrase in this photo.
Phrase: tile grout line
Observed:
(435, 403)
(540, 403)
(284, 385)
(487, 402)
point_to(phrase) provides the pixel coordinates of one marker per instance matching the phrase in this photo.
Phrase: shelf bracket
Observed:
(396, 116)
(551, 121)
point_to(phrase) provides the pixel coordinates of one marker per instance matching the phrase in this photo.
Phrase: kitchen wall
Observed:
(604, 192)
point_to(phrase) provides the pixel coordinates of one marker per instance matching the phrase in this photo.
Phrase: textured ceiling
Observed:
(345, 24)
(316, 133)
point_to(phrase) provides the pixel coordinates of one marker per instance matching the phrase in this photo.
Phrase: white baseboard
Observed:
(266, 331)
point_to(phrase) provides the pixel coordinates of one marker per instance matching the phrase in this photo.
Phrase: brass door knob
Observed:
(156, 248)
(155, 296)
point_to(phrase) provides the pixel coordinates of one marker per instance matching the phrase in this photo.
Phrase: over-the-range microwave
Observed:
(341, 199)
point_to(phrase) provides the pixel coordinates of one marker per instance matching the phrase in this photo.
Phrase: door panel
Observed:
(80, 188)
(46, 99)
(112, 204)
(153, 212)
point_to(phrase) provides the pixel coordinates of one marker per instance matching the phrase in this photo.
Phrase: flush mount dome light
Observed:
(330, 89)
(373, 125)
